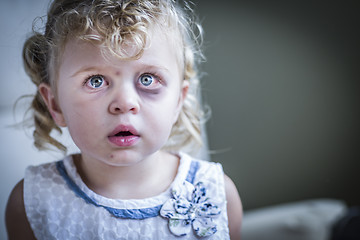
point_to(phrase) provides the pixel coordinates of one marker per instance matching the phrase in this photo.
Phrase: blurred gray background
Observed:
(283, 84)
(282, 80)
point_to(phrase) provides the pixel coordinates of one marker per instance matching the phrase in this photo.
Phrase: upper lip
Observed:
(123, 128)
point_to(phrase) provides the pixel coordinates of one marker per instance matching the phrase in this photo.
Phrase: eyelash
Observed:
(87, 79)
(153, 74)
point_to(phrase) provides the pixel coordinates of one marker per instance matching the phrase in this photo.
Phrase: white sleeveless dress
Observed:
(59, 205)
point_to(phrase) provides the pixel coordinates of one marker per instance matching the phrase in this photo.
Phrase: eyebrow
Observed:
(84, 69)
(147, 66)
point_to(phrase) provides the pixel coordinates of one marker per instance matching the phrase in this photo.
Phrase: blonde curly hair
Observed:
(109, 23)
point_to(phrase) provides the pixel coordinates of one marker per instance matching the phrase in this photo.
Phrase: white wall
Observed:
(16, 149)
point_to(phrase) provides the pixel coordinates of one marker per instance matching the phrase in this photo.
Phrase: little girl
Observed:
(119, 74)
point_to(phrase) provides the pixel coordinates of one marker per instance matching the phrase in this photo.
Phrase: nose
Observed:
(124, 101)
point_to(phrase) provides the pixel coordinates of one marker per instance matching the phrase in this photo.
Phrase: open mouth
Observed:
(123, 131)
(124, 134)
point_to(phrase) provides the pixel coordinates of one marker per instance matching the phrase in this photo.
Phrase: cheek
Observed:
(163, 116)
(165, 105)
(82, 120)
(77, 106)
(80, 127)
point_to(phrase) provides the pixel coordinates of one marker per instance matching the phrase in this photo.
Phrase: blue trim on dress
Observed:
(141, 213)
(119, 213)
(192, 172)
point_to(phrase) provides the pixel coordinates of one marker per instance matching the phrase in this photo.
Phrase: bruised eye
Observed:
(96, 81)
(146, 80)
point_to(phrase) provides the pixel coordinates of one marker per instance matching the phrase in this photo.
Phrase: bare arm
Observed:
(17, 224)
(234, 209)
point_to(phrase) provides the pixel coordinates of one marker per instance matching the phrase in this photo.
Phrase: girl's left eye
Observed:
(96, 81)
(146, 80)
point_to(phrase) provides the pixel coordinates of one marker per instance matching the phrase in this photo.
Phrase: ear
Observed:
(183, 94)
(53, 107)
(184, 90)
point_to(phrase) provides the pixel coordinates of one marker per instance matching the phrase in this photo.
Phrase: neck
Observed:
(146, 178)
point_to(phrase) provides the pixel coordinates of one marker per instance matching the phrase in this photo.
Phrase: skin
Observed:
(94, 96)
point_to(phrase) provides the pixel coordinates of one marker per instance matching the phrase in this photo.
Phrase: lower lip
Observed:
(124, 141)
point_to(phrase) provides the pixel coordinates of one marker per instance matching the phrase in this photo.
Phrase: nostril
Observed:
(118, 107)
(115, 109)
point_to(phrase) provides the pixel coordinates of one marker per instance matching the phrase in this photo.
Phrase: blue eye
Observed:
(146, 80)
(96, 81)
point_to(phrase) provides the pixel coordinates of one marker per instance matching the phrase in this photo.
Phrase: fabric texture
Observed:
(59, 205)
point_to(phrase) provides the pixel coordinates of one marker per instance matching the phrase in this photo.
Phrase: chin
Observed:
(124, 158)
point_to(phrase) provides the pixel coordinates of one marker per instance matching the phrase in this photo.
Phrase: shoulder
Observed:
(200, 165)
(214, 172)
(234, 208)
(17, 224)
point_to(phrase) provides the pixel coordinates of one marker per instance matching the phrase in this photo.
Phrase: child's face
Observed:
(118, 111)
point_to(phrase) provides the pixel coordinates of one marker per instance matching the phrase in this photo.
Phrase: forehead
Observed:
(159, 51)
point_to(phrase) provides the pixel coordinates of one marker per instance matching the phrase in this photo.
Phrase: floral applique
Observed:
(190, 208)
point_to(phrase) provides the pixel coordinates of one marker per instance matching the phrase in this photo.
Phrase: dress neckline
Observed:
(125, 208)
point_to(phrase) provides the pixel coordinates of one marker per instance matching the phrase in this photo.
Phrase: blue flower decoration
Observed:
(190, 208)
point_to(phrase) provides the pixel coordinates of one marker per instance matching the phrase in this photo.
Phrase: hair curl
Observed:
(110, 23)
